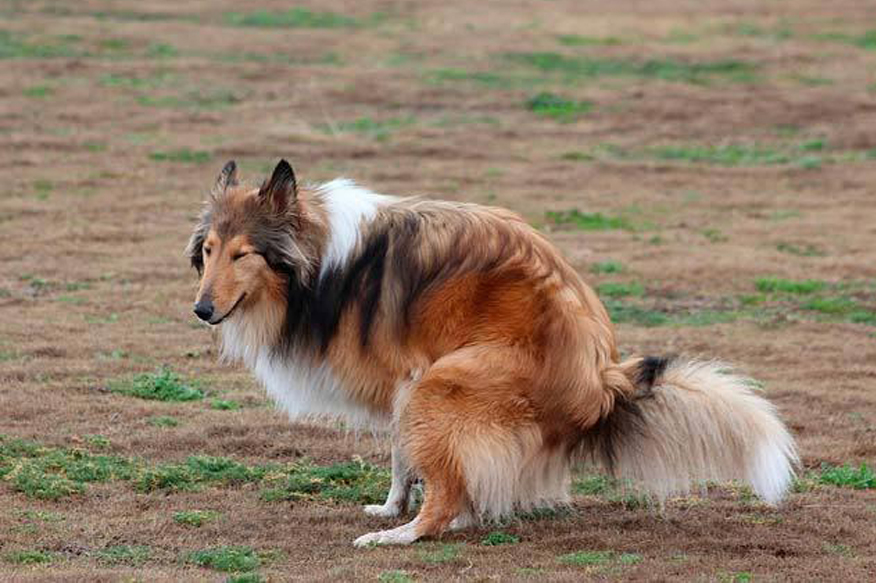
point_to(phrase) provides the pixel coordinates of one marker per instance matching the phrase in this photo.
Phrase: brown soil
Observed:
(94, 287)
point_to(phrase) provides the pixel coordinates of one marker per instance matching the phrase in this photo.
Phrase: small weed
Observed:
(379, 130)
(587, 558)
(184, 155)
(577, 40)
(223, 405)
(228, 559)
(620, 290)
(839, 549)
(29, 557)
(295, 18)
(807, 250)
(714, 235)
(245, 578)
(194, 518)
(97, 441)
(124, 555)
(586, 67)
(444, 553)
(861, 478)
(38, 91)
(607, 267)
(497, 538)
(621, 312)
(587, 221)
(161, 385)
(347, 482)
(161, 51)
(395, 577)
(595, 485)
(831, 305)
(787, 286)
(557, 107)
(163, 421)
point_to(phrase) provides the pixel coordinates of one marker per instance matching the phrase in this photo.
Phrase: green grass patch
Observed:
(15, 46)
(38, 91)
(587, 558)
(607, 267)
(807, 250)
(29, 557)
(375, 129)
(228, 559)
(294, 18)
(484, 78)
(163, 421)
(161, 51)
(395, 576)
(587, 67)
(441, 554)
(161, 385)
(588, 221)
(787, 286)
(192, 100)
(865, 40)
(577, 40)
(224, 405)
(134, 555)
(625, 313)
(831, 305)
(497, 538)
(594, 485)
(861, 477)
(184, 155)
(345, 482)
(196, 471)
(620, 290)
(557, 107)
(196, 518)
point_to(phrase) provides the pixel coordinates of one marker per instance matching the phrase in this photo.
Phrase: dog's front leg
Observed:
(400, 491)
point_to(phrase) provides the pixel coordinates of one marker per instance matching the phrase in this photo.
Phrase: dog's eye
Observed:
(239, 255)
(207, 251)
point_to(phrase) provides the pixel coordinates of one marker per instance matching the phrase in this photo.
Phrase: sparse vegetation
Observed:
(374, 129)
(184, 155)
(438, 554)
(497, 538)
(607, 267)
(557, 107)
(620, 290)
(161, 385)
(294, 18)
(587, 67)
(861, 477)
(196, 518)
(588, 221)
(228, 559)
(779, 285)
(28, 557)
(124, 555)
(346, 482)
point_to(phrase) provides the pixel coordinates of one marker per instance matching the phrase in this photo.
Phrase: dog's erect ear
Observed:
(226, 178)
(281, 189)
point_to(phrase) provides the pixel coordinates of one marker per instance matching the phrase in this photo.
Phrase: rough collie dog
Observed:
(463, 331)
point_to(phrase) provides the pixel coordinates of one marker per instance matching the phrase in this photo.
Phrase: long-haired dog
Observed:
(462, 330)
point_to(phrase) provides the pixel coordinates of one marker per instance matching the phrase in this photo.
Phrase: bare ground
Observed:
(431, 98)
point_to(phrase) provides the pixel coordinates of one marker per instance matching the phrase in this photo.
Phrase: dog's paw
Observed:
(383, 510)
(403, 535)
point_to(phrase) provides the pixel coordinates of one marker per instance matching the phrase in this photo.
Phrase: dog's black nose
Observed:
(204, 310)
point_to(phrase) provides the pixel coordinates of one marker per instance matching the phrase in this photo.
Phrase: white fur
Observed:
(300, 387)
(348, 205)
(403, 535)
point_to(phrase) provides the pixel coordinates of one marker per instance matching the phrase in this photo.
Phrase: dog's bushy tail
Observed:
(689, 422)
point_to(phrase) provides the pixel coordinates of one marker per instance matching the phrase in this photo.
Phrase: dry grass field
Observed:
(709, 166)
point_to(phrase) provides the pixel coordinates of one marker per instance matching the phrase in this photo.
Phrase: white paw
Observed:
(403, 535)
(384, 510)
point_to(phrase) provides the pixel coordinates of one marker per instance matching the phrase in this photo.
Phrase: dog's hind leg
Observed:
(467, 430)
(400, 490)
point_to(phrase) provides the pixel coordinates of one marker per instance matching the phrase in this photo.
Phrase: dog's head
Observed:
(250, 242)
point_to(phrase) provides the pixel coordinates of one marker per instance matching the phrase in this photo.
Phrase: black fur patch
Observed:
(608, 436)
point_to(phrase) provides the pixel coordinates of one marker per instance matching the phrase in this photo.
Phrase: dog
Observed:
(462, 330)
